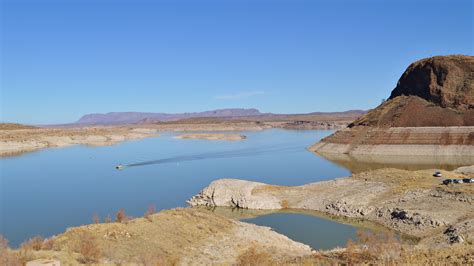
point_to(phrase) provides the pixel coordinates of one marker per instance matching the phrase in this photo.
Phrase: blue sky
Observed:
(63, 59)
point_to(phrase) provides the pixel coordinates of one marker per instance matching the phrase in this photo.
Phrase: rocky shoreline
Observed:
(411, 202)
(413, 141)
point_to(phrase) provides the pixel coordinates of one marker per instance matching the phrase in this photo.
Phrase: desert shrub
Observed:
(121, 217)
(35, 243)
(108, 219)
(6, 256)
(151, 210)
(285, 204)
(95, 218)
(253, 256)
(48, 244)
(89, 248)
(382, 247)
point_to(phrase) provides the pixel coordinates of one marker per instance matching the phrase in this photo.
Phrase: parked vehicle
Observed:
(437, 174)
(457, 181)
(447, 181)
(466, 180)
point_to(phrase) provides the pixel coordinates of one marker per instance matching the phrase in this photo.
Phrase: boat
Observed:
(120, 167)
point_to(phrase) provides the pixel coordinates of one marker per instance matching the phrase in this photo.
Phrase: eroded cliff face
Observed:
(436, 91)
(447, 81)
(430, 111)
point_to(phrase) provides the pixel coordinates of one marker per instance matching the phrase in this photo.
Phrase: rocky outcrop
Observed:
(436, 91)
(399, 199)
(447, 81)
(235, 193)
(430, 111)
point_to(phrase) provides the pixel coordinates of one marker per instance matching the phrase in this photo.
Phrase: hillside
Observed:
(136, 117)
(436, 91)
(430, 112)
(14, 126)
(215, 116)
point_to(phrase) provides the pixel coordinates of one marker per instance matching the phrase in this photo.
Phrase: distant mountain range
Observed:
(117, 118)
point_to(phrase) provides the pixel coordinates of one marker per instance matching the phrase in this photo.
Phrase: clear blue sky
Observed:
(63, 59)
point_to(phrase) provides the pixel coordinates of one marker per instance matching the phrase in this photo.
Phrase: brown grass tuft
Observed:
(35, 243)
(95, 218)
(6, 256)
(121, 217)
(151, 210)
(48, 244)
(89, 248)
(381, 247)
(253, 256)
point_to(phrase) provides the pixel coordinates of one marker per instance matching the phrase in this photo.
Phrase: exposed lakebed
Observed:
(45, 192)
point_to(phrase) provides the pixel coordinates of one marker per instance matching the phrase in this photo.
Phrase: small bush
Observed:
(253, 256)
(48, 244)
(151, 210)
(95, 218)
(381, 247)
(121, 217)
(6, 256)
(89, 248)
(285, 204)
(35, 243)
(108, 219)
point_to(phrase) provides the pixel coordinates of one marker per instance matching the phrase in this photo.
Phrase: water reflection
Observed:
(361, 163)
(317, 229)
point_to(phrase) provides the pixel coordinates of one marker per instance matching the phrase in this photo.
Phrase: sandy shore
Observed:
(212, 136)
(14, 142)
(18, 141)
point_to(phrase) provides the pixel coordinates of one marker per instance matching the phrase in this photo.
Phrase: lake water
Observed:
(45, 192)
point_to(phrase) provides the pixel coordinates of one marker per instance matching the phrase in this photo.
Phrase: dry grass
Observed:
(6, 256)
(150, 211)
(95, 218)
(384, 248)
(152, 259)
(35, 243)
(121, 217)
(48, 244)
(254, 256)
(108, 219)
(89, 248)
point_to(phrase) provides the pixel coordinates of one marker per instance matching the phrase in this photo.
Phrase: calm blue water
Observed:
(44, 192)
(314, 231)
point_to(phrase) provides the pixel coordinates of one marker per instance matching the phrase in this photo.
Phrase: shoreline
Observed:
(398, 199)
(399, 141)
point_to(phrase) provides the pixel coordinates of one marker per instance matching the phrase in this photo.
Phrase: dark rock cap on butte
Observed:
(447, 81)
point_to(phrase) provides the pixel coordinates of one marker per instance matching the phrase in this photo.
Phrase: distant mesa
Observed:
(215, 116)
(138, 117)
(430, 112)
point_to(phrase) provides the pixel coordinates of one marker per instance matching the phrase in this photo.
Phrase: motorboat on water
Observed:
(120, 167)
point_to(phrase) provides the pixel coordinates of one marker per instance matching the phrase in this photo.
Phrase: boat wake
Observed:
(218, 155)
